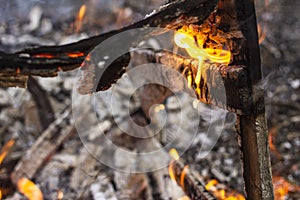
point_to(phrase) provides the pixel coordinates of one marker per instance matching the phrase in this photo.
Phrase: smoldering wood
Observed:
(48, 60)
(192, 186)
(47, 143)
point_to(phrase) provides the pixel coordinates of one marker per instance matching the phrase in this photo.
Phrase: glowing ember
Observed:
(79, 17)
(75, 54)
(221, 193)
(283, 187)
(5, 149)
(60, 195)
(43, 56)
(193, 42)
(29, 189)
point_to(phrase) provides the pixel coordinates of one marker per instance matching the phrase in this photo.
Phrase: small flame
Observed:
(60, 195)
(29, 189)
(79, 18)
(0, 194)
(187, 39)
(5, 149)
(184, 172)
(283, 187)
(221, 193)
(174, 154)
(261, 33)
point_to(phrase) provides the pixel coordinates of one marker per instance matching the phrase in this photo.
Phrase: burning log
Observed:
(233, 79)
(48, 60)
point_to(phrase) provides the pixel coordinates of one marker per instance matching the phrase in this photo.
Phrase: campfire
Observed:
(166, 81)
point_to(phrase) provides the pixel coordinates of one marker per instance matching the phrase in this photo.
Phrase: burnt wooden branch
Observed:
(46, 144)
(192, 186)
(40, 97)
(48, 60)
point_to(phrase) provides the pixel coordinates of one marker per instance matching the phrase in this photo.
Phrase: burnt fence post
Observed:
(252, 128)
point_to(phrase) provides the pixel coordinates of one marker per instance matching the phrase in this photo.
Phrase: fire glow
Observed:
(6, 149)
(193, 43)
(282, 188)
(79, 17)
(221, 193)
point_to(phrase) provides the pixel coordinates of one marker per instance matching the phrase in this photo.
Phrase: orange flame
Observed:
(0, 194)
(184, 172)
(29, 189)
(283, 187)
(187, 39)
(5, 149)
(80, 17)
(222, 194)
(261, 33)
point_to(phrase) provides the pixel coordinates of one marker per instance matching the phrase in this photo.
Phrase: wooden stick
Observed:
(252, 128)
(46, 144)
(193, 187)
(40, 97)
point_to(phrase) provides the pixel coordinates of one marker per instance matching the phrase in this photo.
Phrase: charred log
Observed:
(48, 60)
